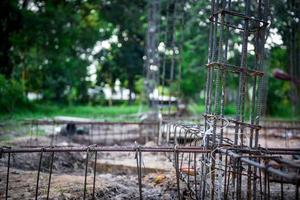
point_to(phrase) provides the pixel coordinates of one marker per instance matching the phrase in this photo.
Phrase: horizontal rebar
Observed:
(233, 13)
(57, 122)
(106, 149)
(244, 124)
(269, 168)
(235, 69)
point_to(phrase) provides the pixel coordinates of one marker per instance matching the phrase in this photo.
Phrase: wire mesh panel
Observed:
(59, 132)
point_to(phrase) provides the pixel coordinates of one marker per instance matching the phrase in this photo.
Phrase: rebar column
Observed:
(234, 24)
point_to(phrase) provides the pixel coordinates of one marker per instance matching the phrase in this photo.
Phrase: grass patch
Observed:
(110, 113)
(198, 109)
(51, 110)
(230, 111)
(5, 138)
(36, 133)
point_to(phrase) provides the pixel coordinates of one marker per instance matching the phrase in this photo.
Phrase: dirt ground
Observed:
(22, 185)
(116, 173)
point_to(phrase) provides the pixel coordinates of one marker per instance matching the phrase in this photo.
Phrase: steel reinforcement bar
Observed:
(186, 173)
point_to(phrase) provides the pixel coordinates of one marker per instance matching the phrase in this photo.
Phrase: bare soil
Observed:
(116, 173)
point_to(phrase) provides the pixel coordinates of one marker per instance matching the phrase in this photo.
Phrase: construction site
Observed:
(167, 153)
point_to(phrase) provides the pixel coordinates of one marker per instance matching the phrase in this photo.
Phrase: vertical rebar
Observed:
(85, 173)
(177, 171)
(50, 175)
(38, 174)
(139, 170)
(95, 171)
(225, 177)
(7, 176)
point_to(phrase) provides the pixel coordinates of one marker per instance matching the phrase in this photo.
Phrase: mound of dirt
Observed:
(62, 162)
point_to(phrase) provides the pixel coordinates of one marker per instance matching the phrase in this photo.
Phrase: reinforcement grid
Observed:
(56, 132)
(190, 165)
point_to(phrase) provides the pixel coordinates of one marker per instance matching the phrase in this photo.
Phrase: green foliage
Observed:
(230, 109)
(199, 109)
(123, 60)
(54, 47)
(286, 15)
(195, 48)
(139, 85)
(47, 46)
(196, 109)
(193, 82)
(278, 91)
(11, 95)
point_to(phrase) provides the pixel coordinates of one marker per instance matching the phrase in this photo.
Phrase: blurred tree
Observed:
(286, 16)
(124, 60)
(49, 46)
(195, 48)
(54, 47)
(278, 91)
(11, 22)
